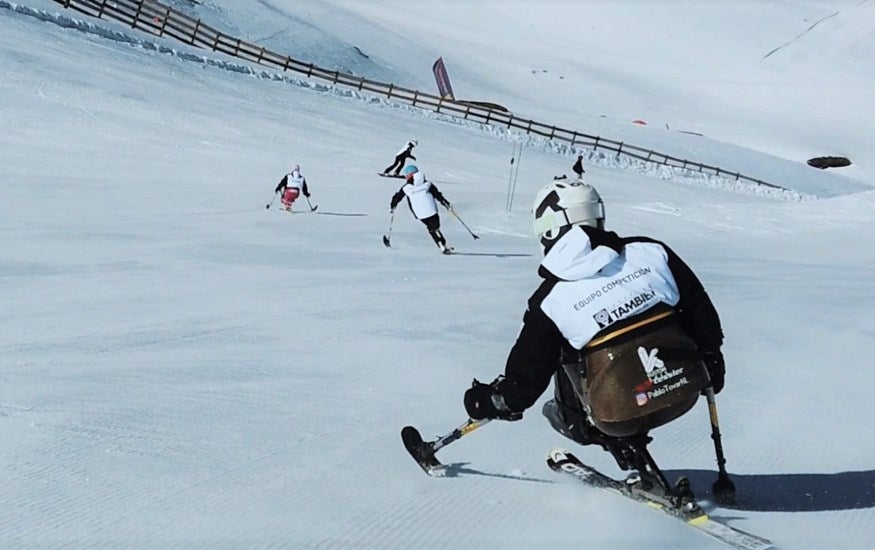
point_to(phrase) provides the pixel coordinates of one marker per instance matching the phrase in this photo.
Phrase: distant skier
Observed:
(292, 186)
(578, 167)
(401, 157)
(622, 325)
(422, 196)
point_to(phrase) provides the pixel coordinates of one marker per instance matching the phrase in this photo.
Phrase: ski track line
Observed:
(299, 497)
(79, 454)
(403, 518)
(769, 459)
(413, 516)
(658, 208)
(387, 520)
(77, 492)
(128, 339)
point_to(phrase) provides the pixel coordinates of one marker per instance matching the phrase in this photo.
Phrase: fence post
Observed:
(389, 92)
(167, 16)
(415, 95)
(136, 20)
(195, 31)
(164, 21)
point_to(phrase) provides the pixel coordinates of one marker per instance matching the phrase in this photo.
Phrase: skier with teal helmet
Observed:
(422, 198)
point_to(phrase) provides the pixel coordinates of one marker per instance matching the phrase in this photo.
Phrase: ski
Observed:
(399, 176)
(488, 254)
(295, 211)
(347, 214)
(386, 241)
(684, 509)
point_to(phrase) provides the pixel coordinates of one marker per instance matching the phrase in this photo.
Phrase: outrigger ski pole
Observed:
(724, 488)
(465, 225)
(388, 235)
(423, 451)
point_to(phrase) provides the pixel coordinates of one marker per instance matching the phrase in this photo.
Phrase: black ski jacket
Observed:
(535, 356)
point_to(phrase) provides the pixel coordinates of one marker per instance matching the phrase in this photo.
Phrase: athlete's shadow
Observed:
(457, 469)
(790, 492)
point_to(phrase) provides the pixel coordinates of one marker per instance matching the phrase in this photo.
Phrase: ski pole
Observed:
(516, 175)
(389, 235)
(724, 488)
(271, 200)
(312, 208)
(511, 185)
(469, 426)
(453, 212)
(423, 451)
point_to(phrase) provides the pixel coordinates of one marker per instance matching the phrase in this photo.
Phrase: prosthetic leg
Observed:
(432, 223)
(439, 239)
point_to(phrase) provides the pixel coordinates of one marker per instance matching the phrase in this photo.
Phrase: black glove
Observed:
(447, 205)
(716, 368)
(485, 401)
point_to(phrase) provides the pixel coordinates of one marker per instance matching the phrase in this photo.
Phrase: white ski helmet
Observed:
(412, 142)
(564, 203)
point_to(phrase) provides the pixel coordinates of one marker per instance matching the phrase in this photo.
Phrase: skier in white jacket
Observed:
(621, 324)
(422, 197)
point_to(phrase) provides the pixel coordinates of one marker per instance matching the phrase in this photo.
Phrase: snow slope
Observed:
(183, 367)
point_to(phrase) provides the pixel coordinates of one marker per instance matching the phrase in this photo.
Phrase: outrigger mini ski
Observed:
(423, 452)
